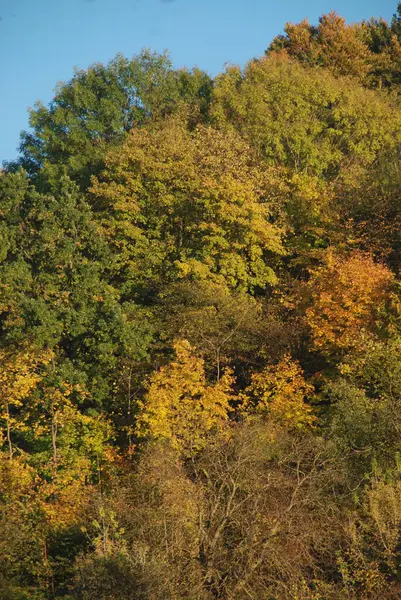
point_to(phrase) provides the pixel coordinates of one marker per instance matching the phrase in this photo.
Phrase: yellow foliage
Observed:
(180, 406)
(347, 295)
(337, 47)
(188, 202)
(64, 499)
(17, 479)
(19, 376)
(281, 391)
(19, 373)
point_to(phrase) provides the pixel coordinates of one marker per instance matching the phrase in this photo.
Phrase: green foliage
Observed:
(200, 379)
(178, 204)
(53, 292)
(303, 118)
(225, 326)
(100, 105)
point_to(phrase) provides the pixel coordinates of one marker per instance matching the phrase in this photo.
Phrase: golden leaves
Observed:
(188, 203)
(347, 295)
(281, 391)
(180, 406)
(19, 373)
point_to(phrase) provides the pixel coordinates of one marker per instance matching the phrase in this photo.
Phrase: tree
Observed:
(306, 119)
(227, 327)
(368, 51)
(369, 211)
(347, 295)
(180, 406)
(280, 391)
(331, 44)
(365, 415)
(24, 569)
(200, 371)
(179, 205)
(54, 292)
(396, 22)
(99, 106)
(148, 543)
(19, 376)
(263, 489)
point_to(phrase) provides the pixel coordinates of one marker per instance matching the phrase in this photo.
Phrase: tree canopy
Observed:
(200, 300)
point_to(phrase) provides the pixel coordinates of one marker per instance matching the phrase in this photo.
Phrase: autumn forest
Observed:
(200, 328)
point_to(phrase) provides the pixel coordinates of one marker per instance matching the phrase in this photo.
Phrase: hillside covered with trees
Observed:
(200, 317)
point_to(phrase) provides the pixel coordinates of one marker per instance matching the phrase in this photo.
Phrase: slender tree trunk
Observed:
(54, 438)
(129, 410)
(99, 474)
(105, 536)
(10, 445)
(49, 570)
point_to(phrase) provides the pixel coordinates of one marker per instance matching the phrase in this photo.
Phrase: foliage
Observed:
(53, 292)
(303, 118)
(200, 372)
(99, 106)
(179, 405)
(369, 51)
(347, 296)
(280, 391)
(19, 376)
(177, 204)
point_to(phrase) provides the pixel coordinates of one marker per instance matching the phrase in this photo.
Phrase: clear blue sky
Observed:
(42, 40)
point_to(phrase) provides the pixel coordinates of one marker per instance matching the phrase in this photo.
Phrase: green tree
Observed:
(99, 106)
(227, 327)
(53, 292)
(304, 118)
(176, 204)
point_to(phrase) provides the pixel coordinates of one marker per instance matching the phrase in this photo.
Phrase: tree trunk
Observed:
(54, 438)
(10, 445)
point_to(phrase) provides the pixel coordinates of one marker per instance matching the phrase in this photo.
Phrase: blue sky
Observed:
(42, 40)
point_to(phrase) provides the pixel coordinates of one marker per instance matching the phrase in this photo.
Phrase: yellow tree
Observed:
(347, 295)
(180, 406)
(19, 376)
(74, 450)
(83, 456)
(46, 415)
(332, 44)
(369, 51)
(304, 118)
(281, 391)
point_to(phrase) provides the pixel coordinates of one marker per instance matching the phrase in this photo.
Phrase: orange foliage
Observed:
(347, 295)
